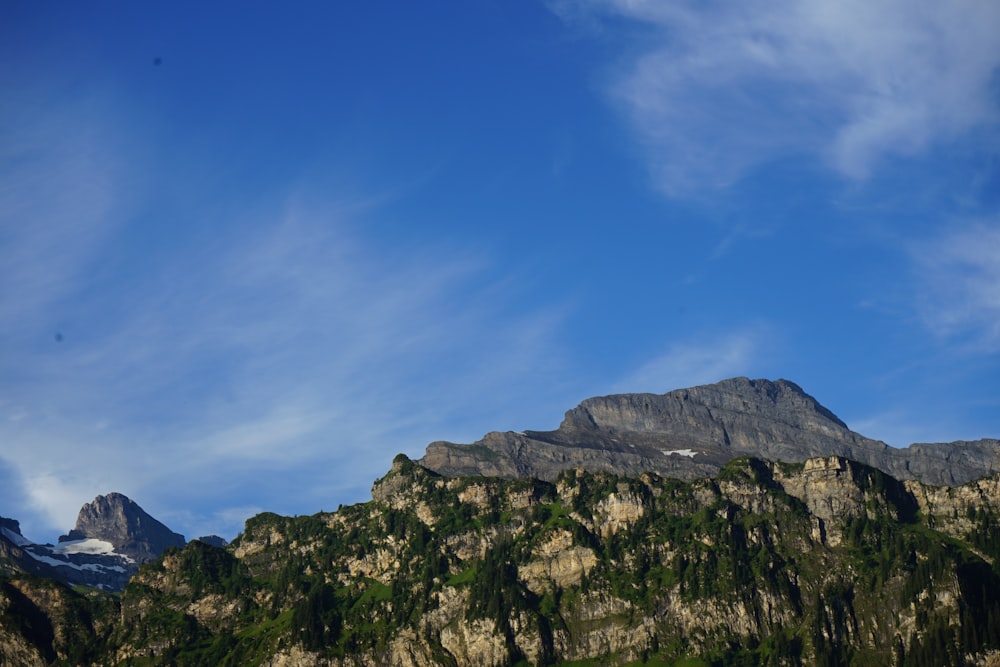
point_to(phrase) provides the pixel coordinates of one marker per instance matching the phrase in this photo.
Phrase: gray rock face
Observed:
(13, 525)
(132, 532)
(13, 558)
(213, 540)
(113, 536)
(690, 433)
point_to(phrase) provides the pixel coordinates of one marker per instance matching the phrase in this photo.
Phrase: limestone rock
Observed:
(692, 433)
(475, 643)
(557, 561)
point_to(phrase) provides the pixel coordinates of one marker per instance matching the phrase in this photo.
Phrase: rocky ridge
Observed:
(112, 538)
(530, 559)
(828, 561)
(132, 532)
(691, 433)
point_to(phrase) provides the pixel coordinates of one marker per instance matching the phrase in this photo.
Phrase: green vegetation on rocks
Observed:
(824, 563)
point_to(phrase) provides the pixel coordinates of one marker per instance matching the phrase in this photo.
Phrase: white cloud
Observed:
(715, 89)
(703, 361)
(58, 175)
(959, 282)
(57, 496)
(287, 363)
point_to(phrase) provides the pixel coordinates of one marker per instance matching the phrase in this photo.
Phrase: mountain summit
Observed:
(691, 433)
(132, 532)
(112, 538)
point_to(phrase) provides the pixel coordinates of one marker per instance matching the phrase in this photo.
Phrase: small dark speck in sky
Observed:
(59, 337)
(157, 61)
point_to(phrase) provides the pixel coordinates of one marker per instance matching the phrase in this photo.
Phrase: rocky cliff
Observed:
(132, 532)
(639, 532)
(825, 562)
(112, 537)
(14, 558)
(691, 433)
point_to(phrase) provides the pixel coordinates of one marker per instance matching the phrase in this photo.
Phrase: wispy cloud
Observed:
(282, 362)
(959, 284)
(717, 89)
(57, 191)
(687, 363)
(299, 347)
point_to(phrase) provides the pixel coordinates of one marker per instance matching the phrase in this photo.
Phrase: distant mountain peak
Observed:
(690, 433)
(213, 540)
(118, 519)
(778, 401)
(13, 525)
(112, 537)
(780, 392)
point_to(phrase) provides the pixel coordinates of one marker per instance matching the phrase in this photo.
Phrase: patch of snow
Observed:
(19, 540)
(87, 546)
(681, 452)
(91, 547)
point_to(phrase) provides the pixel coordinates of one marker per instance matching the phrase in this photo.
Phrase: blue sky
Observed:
(248, 253)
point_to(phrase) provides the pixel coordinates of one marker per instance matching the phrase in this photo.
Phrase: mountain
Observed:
(112, 538)
(132, 532)
(214, 540)
(14, 559)
(691, 433)
(827, 562)
(559, 549)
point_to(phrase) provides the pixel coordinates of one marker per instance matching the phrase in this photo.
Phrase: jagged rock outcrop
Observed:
(11, 525)
(691, 433)
(14, 558)
(214, 540)
(112, 538)
(132, 532)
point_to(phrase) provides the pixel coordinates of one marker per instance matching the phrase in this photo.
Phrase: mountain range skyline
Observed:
(738, 522)
(702, 429)
(828, 561)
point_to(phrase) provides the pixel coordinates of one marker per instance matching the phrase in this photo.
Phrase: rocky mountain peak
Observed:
(213, 540)
(779, 398)
(117, 519)
(712, 410)
(13, 525)
(687, 433)
(112, 537)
